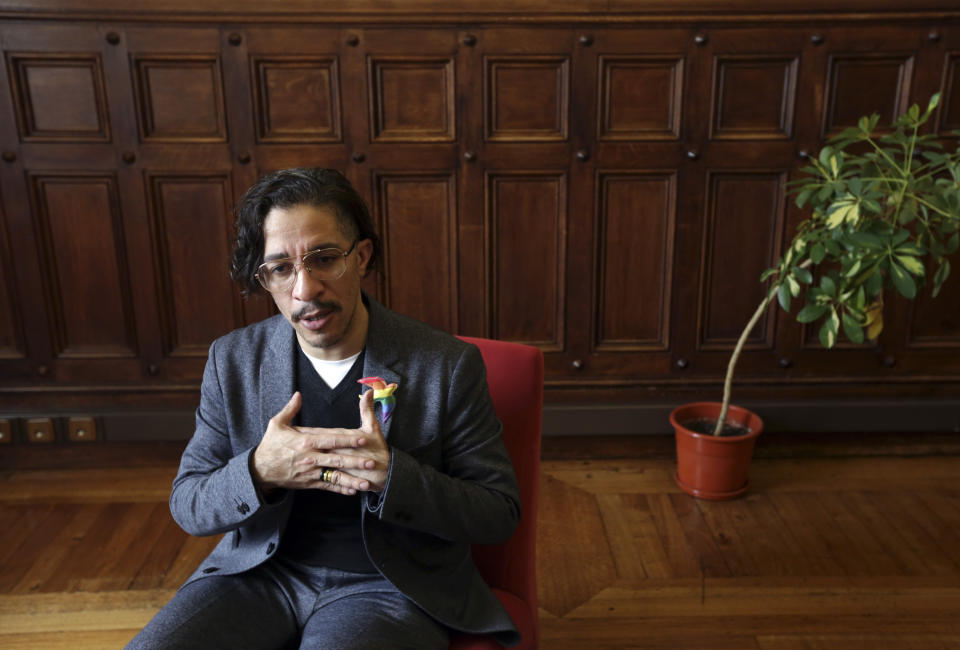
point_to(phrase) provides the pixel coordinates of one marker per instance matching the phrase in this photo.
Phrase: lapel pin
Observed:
(382, 395)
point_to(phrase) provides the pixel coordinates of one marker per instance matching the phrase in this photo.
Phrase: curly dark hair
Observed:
(287, 188)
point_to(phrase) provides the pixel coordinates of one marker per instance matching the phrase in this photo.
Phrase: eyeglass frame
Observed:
(299, 264)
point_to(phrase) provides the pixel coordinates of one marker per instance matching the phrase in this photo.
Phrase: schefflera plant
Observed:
(884, 213)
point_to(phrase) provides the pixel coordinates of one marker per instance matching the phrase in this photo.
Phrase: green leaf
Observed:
(818, 252)
(908, 212)
(803, 275)
(851, 133)
(901, 236)
(811, 312)
(861, 300)
(834, 247)
(845, 210)
(853, 270)
(853, 329)
(829, 330)
(872, 206)
(940, 276)
(794, 286)
(910, 248)
(873, 283)
(934, 101)
(766, 274)
(825, 155)
(953, 243)
(912, 264)
(865, 240)
(903, 281)
(828, 286)
(802, 197)
(783, 296)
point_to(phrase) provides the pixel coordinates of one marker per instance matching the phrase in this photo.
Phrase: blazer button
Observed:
(211, 569)
(270, 548)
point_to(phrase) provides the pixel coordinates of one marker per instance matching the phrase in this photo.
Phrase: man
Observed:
(342, 531)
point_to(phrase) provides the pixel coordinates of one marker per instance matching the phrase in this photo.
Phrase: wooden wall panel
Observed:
(527, 98)
(297, 99)
(418, 221)
(640, 98)
(862, 84)
(606, 186)
(11, 342)
(949, 111)
(192, 236)
(753, 97)
(745, 214)
(11, 332)
(59, 97)
(637, 217)
(180, 98)
(935, 322)
(527, 221)
(412, 99)
(87, 273)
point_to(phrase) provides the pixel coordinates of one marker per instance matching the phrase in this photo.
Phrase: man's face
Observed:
(328, 315)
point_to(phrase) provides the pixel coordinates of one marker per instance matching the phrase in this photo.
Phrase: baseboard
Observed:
(906, 415)
(779, 417)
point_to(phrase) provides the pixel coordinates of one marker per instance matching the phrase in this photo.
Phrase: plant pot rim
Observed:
(714, 406)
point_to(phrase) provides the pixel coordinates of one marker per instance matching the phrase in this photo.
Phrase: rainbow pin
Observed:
(382, 394)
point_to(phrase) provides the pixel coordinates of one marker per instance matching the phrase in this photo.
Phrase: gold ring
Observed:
(327, 475)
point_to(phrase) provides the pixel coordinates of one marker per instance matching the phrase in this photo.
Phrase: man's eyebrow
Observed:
(316, 247)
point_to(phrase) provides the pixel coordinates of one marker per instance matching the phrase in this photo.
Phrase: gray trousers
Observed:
(281, 604)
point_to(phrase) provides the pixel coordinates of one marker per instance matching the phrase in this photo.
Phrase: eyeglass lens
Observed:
(326, 264)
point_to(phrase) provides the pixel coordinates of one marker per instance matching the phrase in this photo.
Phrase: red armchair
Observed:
(515, 377)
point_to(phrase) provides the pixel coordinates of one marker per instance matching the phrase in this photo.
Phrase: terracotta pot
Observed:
(714, 467)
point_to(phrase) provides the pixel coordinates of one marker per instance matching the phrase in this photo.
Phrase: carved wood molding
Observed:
(475, 11)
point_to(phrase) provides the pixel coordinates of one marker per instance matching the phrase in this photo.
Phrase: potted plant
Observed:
(884, 211)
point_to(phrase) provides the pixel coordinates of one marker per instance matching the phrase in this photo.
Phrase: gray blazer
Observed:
(450, 482)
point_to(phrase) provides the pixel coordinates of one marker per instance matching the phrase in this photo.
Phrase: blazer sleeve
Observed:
(461, 486)
(214, 491)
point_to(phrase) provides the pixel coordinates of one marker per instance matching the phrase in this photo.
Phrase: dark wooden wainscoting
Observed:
(602, 179)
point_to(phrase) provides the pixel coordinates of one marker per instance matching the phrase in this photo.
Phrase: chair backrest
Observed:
(515, 377)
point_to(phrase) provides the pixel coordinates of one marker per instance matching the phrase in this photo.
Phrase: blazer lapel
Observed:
(381, 358)
(277, 382)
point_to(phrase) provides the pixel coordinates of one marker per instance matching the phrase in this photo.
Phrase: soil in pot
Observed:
(706, 426)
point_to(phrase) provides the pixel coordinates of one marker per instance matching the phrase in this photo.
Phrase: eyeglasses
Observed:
(278, 276)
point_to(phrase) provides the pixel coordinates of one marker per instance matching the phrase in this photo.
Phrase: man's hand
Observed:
(296, 457)
(374, 448)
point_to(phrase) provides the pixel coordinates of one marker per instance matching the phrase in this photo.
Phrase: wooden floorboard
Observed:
(857, 548)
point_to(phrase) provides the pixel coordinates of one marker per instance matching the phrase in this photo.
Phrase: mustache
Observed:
(316, 305)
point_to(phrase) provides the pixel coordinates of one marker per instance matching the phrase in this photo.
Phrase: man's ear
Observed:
(364, 253)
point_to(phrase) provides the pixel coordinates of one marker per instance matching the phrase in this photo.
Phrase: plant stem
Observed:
(728, 382)
(893, 163)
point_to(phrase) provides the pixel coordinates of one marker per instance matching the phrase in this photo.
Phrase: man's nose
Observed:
(306, 287)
